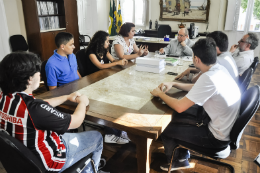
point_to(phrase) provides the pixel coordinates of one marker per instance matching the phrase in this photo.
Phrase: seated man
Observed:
(219, 95)
(61, 67)
(37, 123)
(224, 57)
(244, 56)
(180, 46)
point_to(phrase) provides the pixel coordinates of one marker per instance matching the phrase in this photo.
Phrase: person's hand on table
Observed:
(183, 43)
(122, 62)
(166, 85)
(72, 97)
(82, 99)
(146, 50)
(156, 92)
(185, 73)
(233, 48)
(161, 50)
(141, 50)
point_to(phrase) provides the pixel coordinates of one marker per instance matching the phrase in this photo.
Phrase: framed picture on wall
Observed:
(184, 10)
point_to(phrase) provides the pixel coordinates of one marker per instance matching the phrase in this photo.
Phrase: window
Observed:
(134, 11)
(249, 16)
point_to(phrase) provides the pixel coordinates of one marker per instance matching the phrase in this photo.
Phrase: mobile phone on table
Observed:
(171, 56)
(191, 65)
(172, 73)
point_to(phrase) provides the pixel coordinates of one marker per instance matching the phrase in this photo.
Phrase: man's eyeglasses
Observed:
(179, 35)
(242, 41)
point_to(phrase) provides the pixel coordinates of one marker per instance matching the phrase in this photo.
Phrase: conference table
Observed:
(120, 98)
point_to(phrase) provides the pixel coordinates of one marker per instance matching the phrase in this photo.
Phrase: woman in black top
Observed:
(98, 56)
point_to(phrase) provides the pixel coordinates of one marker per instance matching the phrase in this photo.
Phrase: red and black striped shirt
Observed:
(38, 125)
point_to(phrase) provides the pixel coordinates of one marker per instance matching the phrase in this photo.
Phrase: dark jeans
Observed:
(200, 136)
(112, 131)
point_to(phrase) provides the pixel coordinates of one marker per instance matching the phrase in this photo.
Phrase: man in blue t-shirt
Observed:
(61, 67)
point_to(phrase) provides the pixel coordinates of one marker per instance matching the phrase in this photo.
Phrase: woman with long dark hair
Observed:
(98, 56)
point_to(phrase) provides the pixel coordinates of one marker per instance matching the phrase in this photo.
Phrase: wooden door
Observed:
(72, 21)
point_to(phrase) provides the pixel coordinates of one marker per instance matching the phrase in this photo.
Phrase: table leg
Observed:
(143, 152)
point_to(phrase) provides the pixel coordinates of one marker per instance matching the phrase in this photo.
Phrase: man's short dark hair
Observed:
(253, 40)
(205, 49)
(16, 69)
(126, 28)
(63, 38)
(221, 40)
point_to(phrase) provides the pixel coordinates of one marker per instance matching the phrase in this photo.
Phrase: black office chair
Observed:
(16, 157)
(18, 43)
(82, 41)
(164, 30)
(43, 74)
(81, 60)
(249, 105)
(245, 79)
(255, 63)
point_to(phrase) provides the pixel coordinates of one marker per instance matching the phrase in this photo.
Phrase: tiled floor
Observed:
(121, 158)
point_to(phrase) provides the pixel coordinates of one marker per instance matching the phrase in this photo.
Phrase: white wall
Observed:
(15, 18)
(216, 16)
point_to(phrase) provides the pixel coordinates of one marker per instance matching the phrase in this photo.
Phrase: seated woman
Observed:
(98, 56)
(124, 44)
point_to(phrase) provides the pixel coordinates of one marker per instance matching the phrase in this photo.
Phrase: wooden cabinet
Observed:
(42, 41)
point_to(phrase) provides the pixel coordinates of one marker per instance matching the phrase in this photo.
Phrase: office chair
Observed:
(43, 74)
(81, 60)
(16, 157)
(255, 63)
(82, 41)
(164, 30)
(18, 43)
(245, 79)
(250, 101)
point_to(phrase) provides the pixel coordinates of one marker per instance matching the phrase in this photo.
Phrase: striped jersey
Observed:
(38, 125)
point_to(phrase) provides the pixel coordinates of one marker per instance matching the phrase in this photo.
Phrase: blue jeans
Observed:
(79, 145)
(200, 136)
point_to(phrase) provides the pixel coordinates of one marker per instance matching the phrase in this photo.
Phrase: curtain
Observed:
(4, 33)
(232, 15)
(82, 13)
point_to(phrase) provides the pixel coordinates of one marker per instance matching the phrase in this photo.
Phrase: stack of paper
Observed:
(150, 64)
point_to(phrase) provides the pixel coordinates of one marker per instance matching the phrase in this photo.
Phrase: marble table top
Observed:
(130, 88)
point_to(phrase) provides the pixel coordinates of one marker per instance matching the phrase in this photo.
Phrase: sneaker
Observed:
(180, 160)
(115, 139)
(176, 165)
(124, 135)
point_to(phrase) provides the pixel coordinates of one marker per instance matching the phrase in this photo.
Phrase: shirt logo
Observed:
(11, 119)
(53, 111)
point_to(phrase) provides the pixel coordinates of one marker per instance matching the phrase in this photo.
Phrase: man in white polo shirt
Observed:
(219, 95)
(243, 53)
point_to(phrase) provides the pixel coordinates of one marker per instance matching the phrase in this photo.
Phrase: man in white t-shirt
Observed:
(219, 95)
(224, 57)
(244, 56)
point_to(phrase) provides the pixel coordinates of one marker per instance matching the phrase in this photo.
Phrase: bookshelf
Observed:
(44, 19)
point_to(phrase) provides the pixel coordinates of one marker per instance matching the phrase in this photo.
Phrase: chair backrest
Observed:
(245, 79)
(18, 43)
(255, 63)
(16, 157)
(164, 30)
(82, 40)
(81, 60)
(249, 104)
(43, 74)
